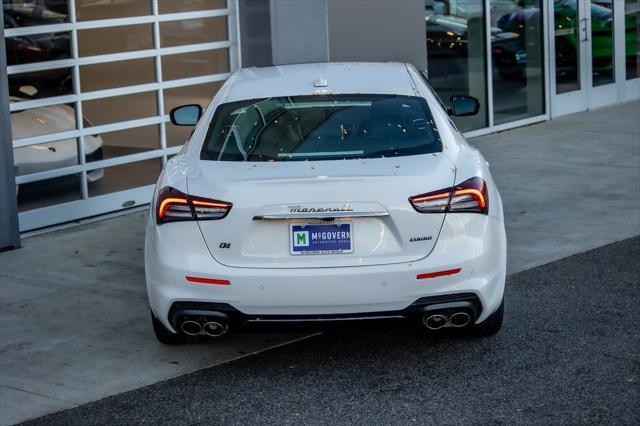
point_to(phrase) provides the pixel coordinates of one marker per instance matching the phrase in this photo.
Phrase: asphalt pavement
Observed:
(74, 318)
(568, 353)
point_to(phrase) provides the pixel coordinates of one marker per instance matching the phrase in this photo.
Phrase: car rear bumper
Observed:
(475, 244)
(237, 320)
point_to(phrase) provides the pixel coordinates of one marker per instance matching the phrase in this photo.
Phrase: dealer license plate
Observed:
(313, 238)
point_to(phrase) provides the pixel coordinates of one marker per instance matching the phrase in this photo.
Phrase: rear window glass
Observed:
(321, 127)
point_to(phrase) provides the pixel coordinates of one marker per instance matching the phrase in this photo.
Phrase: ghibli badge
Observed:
(414, 239)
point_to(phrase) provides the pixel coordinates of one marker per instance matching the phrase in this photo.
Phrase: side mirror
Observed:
(186, 115)
(462, 106)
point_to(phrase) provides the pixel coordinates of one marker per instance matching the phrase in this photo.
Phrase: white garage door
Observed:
(91, 85)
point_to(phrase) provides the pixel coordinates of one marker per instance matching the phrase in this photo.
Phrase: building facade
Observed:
(88, 84)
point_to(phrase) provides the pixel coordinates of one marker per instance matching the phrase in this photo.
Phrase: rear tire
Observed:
(163, 334)
(491, 325)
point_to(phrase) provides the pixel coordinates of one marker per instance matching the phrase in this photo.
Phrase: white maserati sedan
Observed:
(323, 193)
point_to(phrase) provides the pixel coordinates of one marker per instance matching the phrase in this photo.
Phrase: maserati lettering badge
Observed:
(298, 209)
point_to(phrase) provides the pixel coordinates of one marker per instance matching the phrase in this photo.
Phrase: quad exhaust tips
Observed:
(209, 328)
(192, 328)
(438, 321)
(450, 314)
(459, 319)
(434, 322)
(214, 328)
(201, 323)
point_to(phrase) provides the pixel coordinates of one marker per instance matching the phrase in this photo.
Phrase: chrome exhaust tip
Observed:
(192, 328)
(434, 322)
(214, 328)
(460, 319)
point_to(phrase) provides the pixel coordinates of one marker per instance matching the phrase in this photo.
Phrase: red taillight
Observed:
(469, 196)
(173, 205)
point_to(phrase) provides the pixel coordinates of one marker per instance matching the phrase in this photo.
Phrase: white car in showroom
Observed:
(52, 155)
(323, 193)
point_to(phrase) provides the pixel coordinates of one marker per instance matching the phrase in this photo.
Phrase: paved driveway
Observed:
(74, 319)
(568, 354)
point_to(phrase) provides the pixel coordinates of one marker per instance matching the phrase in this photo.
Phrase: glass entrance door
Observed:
(583, 55)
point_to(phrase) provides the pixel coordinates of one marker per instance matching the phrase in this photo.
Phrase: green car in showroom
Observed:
(567, 37)
(567, 32)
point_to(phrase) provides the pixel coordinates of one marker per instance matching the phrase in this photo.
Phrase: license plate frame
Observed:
(334, 244)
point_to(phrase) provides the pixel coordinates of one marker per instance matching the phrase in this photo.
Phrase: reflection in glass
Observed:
(194, 64)
(567, 45)
(632, 37)
(456, 54)
(35, 195)
(21, 13)
(192, 31)
(41, 121)
(117, 74)
(127, 142)
(126, 176)
(51, 155)
(602, 42)
(102, 41)
(173, 6)
(54, 46)
(45, 156)
(38, 47)
(177, 135)
(54, 155)
(516, 49)
(321, 127)
(111, 110)
(199, 94)
(41, 84)
(88, 10)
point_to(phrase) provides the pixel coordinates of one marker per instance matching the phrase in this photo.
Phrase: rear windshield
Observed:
(321, 127)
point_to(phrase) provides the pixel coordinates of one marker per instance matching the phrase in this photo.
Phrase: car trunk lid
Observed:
(362, 203)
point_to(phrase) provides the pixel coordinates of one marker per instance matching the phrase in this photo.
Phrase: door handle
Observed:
(585, 29)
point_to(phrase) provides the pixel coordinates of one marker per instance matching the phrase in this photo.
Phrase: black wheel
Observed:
(163, 334)
(491, 325)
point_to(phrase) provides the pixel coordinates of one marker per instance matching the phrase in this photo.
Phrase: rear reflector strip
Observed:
(208, 281)
(438, 274)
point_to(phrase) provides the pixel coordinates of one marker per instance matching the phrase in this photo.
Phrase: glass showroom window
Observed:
(517, 59)
(632, 38)
(602, 43)
(91, 84)
(567, 47)
(456, 59)
(458, 35)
